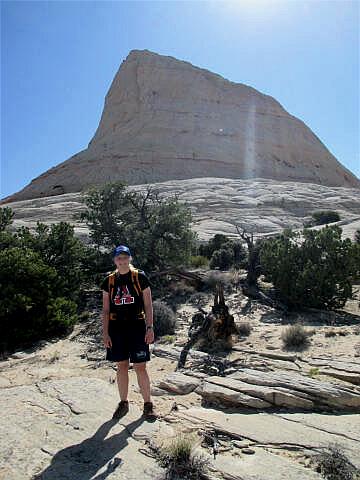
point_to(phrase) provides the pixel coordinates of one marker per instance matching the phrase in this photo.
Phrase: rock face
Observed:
(62, 433)
(58, 398)
(264, 206)
(261, 390)
(308, 431)
(166, 119)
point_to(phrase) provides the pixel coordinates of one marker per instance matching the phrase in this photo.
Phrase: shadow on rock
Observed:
(312, 317)
(83, 460)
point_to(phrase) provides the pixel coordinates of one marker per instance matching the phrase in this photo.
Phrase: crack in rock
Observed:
(58, 397)
(318, 428)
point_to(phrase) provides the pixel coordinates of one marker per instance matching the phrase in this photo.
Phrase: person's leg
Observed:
(123, 378)
(143, 380)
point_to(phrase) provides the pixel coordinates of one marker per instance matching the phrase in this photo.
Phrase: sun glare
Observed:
(235, 7)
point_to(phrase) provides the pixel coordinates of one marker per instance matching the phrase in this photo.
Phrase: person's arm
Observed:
(148, 306)
(105, 313)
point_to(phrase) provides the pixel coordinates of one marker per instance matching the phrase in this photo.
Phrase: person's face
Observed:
(122, 261)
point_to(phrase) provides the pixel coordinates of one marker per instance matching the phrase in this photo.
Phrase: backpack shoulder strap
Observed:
(111, 282)
(135, 279)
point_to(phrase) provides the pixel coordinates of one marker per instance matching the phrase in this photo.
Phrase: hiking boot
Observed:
(121, 409)
(149, 412)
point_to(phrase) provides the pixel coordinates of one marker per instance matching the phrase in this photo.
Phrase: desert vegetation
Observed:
(42, 273)
(308, 269)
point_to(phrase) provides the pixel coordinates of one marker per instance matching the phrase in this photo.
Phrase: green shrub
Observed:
(295, 337)
(322, 217)
(199, 261)
(223, 252)
(313, 372)
(41, 274)
(223, 259)
(317, 272)
(215, 243)
(157, 229)
(164, 319)
(167, 339)
(60, 249)
(6, 216)
(61, 314)
(240, 254)
(30, 305)
(7, 239)
(357, 236)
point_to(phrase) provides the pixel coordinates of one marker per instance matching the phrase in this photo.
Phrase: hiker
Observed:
(128, 327)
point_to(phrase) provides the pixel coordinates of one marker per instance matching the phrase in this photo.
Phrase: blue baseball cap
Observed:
(121, 249)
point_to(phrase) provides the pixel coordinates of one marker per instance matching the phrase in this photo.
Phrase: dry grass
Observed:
(244, 329)
(295, 337)
(333, 464)
(180, 460)
(214, 277)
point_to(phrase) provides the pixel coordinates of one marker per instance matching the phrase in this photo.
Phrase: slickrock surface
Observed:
(272, 410)
(217, 204)
(166, 119)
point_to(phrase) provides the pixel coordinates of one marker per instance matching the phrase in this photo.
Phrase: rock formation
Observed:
(264, 206)
(165, 119)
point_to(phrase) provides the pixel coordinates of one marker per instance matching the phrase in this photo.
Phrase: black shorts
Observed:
(128, 342)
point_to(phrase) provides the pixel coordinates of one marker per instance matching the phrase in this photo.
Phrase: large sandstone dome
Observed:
(165, 119)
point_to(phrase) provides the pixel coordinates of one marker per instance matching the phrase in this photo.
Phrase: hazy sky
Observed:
(58, 59)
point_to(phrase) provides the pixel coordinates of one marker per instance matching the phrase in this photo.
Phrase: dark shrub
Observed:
(333, 464)
(223, 252)
(30, 305)
(157, 229)
(199, 298)
(223, 259)
(41, 274)
(60, 249)
(357, 236)
(215, 243)
(322, 217)
(316, 272)
(244, 329)
(164, 319)
(6, 216)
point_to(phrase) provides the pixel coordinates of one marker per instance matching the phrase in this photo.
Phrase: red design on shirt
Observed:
(123, 296)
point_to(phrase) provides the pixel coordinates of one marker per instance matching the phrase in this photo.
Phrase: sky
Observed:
(59, 58)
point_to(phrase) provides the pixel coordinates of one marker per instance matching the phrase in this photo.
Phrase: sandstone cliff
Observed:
(165, 119)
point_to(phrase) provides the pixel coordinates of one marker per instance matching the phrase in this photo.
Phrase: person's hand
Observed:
(107, 340)
(149, 336)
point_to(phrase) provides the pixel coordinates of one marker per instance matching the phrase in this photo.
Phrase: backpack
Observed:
(135, 281)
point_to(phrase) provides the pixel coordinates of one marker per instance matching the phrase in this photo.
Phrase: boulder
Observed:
(179, 383)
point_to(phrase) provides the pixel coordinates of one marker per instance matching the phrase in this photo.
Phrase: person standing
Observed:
(128, 327)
